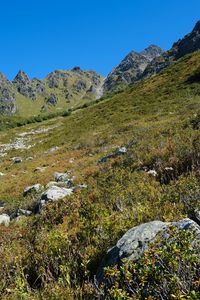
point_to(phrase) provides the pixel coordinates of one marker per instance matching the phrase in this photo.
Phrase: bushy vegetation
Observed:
(55, 254)
(169, 270)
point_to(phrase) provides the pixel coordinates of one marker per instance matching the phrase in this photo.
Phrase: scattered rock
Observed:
(40, 169)
(53, 149)
(29, 158)
(83, 186)
(118, 152)
(4, 220)
(17, 160)
(152, 173)
(23, 212)
(53, 99)
(61, 176)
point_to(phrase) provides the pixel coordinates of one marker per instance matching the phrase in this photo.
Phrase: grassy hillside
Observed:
(55, 254)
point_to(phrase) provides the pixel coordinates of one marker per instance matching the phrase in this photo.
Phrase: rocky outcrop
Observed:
(152, 60)
(136, 241)
(7, 97)
(190, 43)
(131, 68)
(28, 88)
(152, 52)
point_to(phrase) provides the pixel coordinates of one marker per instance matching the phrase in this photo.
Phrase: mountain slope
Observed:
(135, 158)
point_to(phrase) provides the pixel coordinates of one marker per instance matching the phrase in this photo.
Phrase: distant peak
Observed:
(151, 52)
(197, 26)
(21, 77)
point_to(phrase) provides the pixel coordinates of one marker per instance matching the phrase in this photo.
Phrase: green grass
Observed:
(55, 254)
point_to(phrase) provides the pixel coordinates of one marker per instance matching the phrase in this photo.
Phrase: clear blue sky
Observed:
(41, 36)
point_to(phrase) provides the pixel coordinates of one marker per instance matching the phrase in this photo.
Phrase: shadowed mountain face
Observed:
(59, 90)
(131, 68)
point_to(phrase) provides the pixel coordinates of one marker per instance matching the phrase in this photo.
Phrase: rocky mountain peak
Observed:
(197, 26)
(152, 52)
(21, 77)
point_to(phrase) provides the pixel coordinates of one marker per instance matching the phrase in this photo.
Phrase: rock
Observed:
(55, 193)
(2, 174)
(196, 216)
(53, 149)
(29, 158)
(17, 160)
(79, 86)
(152, 173)
(122, 150)
(135, 241)
(2, 204)
(118, 152)
(7, 97)
(61, 176)
(36, 188)
(53, 99)
(23, 212)
(83, 186)
(40, 169)
(4, 220)
(152, 52)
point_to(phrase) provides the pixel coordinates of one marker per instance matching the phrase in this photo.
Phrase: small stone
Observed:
(152, 173)
(61, 176)
(36, 188)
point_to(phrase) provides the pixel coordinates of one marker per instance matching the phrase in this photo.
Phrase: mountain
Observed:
(100, 186)
(138, 66)
(186, 45)
(131, 68)
(58, 91)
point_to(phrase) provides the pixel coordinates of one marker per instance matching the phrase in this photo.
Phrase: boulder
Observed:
(36, 188)
(55, 193)
(4, 220)
(135, 241)
(53, 99)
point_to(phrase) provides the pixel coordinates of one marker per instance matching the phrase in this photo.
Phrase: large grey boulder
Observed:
(136, 241)
(55, 193)
(4, 220)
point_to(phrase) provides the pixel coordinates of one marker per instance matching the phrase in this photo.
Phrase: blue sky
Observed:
(41, 36)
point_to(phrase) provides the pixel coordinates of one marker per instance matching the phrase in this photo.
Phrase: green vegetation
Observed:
(55, 254)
